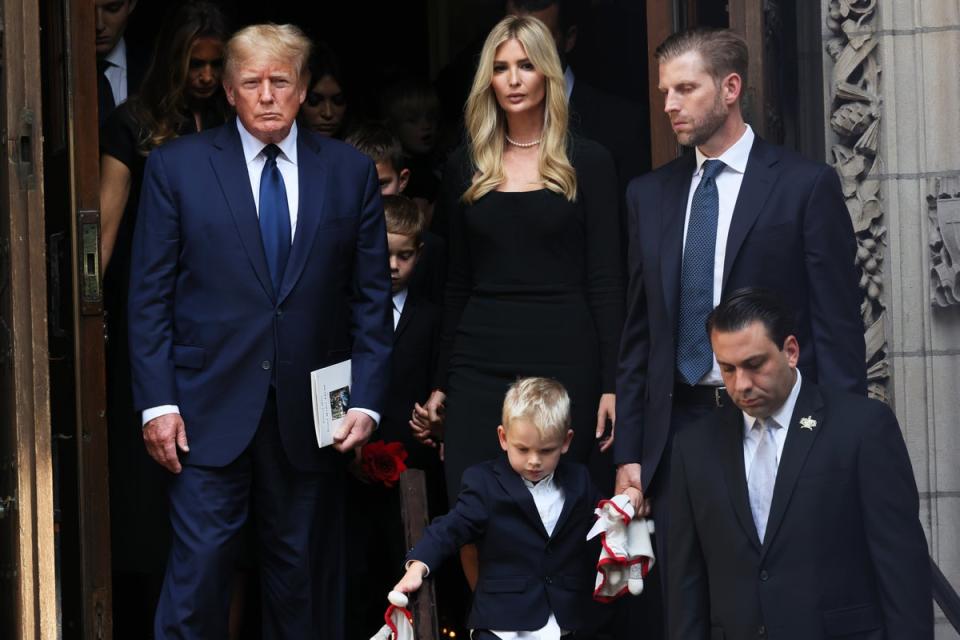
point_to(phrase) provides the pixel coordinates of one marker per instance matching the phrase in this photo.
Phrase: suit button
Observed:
(265, 365)
(279, 313)
(548, 580)
(763, 576)
(762, 631)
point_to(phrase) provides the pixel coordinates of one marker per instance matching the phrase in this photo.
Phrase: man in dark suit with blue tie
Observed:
(794, 511)
(736, 212)
(259, 255)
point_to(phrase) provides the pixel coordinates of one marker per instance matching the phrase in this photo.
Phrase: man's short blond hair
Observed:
(542, 401)
(282, 42)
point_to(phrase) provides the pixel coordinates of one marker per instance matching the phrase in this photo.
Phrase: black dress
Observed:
(534, 289)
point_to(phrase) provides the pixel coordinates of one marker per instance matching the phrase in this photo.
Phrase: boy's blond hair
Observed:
(542, 401)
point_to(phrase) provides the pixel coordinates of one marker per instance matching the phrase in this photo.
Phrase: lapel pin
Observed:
(808, 423)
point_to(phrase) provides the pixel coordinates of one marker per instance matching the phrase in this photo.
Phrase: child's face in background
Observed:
(403, 258)
(415, 123)
(532, 455)
(392, 183)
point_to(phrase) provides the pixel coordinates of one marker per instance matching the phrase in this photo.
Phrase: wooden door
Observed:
(76, 331)
(27, 572)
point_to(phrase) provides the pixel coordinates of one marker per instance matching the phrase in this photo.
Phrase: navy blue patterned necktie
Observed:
(274, 216)
(694, 354)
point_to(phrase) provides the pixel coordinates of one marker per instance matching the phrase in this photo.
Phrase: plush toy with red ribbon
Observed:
(399, 621)
(626, 554)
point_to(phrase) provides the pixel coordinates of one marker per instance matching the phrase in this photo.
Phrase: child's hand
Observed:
(412, 579)
(636, 499)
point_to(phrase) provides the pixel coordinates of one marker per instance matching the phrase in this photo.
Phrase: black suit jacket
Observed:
(844, 553)
(524, 573)
(411, 370)
(790, 232)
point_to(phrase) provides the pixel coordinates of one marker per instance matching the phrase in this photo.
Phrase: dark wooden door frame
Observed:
(28, 580)
(90, 376)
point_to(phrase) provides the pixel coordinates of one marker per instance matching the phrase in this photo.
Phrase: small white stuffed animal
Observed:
(399, 621)
(626, 554)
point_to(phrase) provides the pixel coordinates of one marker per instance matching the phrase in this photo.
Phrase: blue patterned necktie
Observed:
(274, 216)
(694, 354)
(763, 475)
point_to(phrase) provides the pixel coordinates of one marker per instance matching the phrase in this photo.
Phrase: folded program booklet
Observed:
(331, 399)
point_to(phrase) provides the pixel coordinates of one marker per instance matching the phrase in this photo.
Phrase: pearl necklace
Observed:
(523, 145)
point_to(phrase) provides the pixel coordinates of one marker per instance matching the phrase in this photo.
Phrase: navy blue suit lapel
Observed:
(513, 484)
(795, 450)
(231, 170)
(565, 480)
(673, 212)
(730, 447)
(758, 179)
(409, 308)
(313, 176)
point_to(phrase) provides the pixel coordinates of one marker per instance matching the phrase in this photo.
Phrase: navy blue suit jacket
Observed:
(207, 330)
(844, 552)
(790, 232)
(524, 573)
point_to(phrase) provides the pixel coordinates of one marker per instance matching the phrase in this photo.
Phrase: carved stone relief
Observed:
(944, 214)
(855, 118)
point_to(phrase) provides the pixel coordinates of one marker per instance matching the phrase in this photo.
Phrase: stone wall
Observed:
(893, 102)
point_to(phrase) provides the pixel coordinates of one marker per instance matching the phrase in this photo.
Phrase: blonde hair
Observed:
(486, 123)
(542, 401)
(284, 42)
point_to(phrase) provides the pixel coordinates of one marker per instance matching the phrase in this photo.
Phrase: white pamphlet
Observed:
(331, 399)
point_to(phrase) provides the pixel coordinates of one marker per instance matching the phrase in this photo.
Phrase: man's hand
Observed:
(413, 578)
(163, 435)
(606, 411)
(628, 476)
(354, 432)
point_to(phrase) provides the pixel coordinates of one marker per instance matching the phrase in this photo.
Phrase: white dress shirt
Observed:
(548, 497)
(782, 417)
(728, 188)
(399, 299)
(116, 71)
(255, 160)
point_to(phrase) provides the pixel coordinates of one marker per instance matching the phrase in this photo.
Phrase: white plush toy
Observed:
(399, 621)
(626, 554)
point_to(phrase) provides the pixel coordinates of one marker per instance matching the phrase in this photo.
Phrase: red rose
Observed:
(383, 461)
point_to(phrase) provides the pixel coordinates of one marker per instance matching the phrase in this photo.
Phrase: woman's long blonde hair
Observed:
(486, 123)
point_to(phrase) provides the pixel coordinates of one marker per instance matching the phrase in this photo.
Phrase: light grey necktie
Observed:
(763, 474)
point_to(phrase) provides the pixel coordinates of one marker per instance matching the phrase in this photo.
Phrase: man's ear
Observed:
(403, 179)
(732, 87)
(791, 349)
(228, 89)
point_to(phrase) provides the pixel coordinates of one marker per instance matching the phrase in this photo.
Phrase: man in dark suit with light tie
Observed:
(736, 212)
(794, 511)
(259, 255)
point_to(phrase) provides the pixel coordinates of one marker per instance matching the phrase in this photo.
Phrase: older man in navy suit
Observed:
(736, 212)
(259, 255)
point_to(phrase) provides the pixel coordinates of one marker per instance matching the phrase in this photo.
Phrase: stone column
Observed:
(893, 102)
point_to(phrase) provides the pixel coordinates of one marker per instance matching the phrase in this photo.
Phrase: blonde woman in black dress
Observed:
(534, 285)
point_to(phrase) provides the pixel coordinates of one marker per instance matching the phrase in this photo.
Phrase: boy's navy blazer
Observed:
(524, 573)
